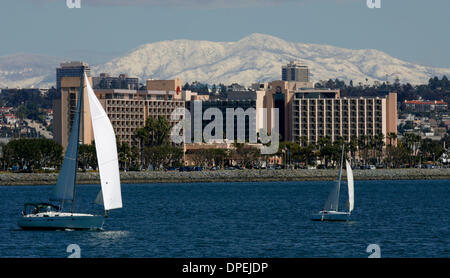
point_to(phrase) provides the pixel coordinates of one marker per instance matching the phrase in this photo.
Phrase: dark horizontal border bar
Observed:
(223, 267)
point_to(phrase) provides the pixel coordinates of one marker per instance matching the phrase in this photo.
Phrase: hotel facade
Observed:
(127, 109)
(307, 114)
(317, 115)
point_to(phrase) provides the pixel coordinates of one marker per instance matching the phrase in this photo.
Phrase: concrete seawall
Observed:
(229, 176)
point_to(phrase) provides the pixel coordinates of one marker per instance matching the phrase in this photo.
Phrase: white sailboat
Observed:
(330, 211)
(49, 216)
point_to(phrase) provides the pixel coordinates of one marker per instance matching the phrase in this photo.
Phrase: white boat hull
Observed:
(61, 221)
(331, 216)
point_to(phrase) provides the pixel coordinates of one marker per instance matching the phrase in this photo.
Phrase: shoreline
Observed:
(8, 179)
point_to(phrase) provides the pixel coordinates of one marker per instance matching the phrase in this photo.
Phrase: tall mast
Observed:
(80, 96)
(339, 180)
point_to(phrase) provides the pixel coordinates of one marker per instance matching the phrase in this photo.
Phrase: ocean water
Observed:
(244, 219)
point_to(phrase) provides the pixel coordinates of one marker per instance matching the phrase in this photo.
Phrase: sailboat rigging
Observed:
(50, 216)
(330, 211)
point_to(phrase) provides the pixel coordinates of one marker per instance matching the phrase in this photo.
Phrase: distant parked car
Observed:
(183, 169)
(49, 168)
(429, 166)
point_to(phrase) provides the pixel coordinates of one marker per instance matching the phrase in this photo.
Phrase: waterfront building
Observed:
(127, 109)
(105, 81)
(251, 103)
(424, 105)
(279, 95)
(68, 78)
(70, 69)
(174, 85)
(294, 71)
(318, 114)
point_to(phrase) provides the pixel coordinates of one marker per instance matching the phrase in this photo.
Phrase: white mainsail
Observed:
(350, 184)
(105, 144)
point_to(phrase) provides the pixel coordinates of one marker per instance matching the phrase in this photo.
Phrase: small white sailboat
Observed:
(53, 217)
(330, 211)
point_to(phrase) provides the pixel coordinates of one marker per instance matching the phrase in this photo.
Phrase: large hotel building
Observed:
(127, 109)
(307, 114)
(324, 114)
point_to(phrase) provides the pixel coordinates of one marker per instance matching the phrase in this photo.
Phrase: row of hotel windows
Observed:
(162, 102)
(144, 96)
(336, 109)
(343, 134)
(125, 111)
(341, 101)
(116, 122)
(337, 115)
(345, 130)
(313, 138)
(321, 119)
(338, 125)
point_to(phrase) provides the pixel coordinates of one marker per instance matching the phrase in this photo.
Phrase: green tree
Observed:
(247, 155)
(87, 156)
(32, 153)
(156, 148)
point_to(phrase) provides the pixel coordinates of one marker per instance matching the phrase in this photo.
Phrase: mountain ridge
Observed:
(254, 58)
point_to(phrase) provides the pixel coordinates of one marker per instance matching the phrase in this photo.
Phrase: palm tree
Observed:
(363, 144)
(378, 145)
(325, 149)
(412, 142)
(392, 136)
(353, 146)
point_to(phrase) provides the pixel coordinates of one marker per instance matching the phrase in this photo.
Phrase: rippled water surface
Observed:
(263, 219)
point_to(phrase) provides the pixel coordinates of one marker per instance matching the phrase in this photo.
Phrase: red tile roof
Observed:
(441, 102)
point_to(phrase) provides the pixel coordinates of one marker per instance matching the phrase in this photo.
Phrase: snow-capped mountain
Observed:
(252, 59)
(28, 70)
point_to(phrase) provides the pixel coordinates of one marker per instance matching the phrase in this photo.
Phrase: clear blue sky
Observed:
(413, 30)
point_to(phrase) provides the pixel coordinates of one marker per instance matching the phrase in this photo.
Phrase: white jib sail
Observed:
(350, 184)
(105, 144)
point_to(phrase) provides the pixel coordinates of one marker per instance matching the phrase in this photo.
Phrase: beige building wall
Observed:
(315, 118)
(288, 89)
(57, 121)
(129, 110)
(384, 122)
(166, 85)
(391, 114)
(65, 111)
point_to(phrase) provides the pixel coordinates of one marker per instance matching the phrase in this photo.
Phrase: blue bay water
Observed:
(244, 219)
